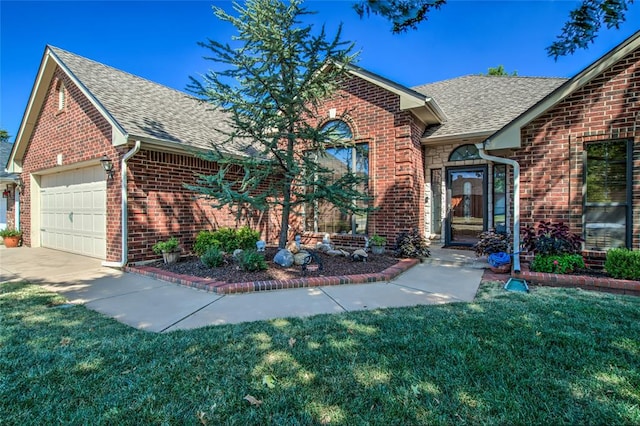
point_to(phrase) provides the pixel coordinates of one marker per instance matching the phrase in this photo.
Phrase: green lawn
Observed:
(553, 356)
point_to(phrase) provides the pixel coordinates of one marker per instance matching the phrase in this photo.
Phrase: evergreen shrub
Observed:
(622, 263)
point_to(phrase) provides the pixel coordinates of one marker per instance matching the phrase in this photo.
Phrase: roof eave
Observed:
(423, 107)
(509, 136)
(437, 140)
(176, 147)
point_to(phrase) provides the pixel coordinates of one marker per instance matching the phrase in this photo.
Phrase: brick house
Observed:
(451, 158)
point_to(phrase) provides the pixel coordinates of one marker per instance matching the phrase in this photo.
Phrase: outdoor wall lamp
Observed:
(107, 165)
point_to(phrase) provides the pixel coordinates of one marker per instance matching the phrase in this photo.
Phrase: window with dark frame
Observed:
(500, 198)
(343, 157)
(436, 201)
(607, 201)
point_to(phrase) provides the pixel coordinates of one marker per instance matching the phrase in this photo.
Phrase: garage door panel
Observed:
(73, 213)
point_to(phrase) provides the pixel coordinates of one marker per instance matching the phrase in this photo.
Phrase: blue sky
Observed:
(157, 40)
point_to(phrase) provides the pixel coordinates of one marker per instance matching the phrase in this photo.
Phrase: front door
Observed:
(467, 207)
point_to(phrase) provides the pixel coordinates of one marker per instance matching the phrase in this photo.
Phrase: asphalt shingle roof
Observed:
(5, 151)
(478, 103)
(145, 109)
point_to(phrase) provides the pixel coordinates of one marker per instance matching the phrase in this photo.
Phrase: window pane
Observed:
(337, 131)
(465, 152)
(331, 220)
(500, 198)
(337, 159)
(607, 207)
(607, 172)
(361, 154)
(324, 217)
(605, 227)
(436, 197)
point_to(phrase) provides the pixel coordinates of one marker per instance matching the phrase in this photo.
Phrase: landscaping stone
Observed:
(323, 247)
(359, 256)
(300, 257)
(293, 247)
(283, 258)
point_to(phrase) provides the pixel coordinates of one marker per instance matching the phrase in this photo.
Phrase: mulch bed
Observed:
(231, 272)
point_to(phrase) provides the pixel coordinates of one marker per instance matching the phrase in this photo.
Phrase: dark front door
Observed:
(467, 206)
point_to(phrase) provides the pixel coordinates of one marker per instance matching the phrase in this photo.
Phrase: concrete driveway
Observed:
(158, 306)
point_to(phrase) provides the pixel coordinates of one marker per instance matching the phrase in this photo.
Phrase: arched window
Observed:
(337, 131)
(465, 152)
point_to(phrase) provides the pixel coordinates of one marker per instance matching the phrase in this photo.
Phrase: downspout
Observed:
(123, 208)
(516, 200)
(17, 193)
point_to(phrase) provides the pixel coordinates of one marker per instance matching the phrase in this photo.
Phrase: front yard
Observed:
(549, 357)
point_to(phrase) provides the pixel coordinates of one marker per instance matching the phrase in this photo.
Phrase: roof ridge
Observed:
(511, 77)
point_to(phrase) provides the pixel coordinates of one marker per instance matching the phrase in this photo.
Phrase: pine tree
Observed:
(277, 73)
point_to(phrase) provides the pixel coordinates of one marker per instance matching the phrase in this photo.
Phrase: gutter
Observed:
(123, 208)
(516, 200)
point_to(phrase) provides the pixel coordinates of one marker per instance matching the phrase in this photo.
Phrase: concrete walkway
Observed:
(158, 306)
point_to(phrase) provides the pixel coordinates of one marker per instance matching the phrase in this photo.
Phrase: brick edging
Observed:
(219, 287)
(585, 282)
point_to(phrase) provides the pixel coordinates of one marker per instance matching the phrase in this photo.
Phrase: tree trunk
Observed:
(286, 193)
(284, 223)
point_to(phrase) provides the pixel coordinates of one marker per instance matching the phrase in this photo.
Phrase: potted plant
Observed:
(377, 244)
(491, 242)
(169, 249)
(497, 247)
(11, 237)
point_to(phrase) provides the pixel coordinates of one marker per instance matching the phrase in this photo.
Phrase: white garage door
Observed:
(74, 211)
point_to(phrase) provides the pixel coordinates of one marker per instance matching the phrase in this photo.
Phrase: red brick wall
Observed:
(160, 206)
(79, 133)
(396, 173)
(551, 158)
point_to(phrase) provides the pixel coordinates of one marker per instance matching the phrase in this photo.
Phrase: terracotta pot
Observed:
(11, 242)
(504, 269)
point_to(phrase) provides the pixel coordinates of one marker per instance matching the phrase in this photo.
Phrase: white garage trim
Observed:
(73, 211)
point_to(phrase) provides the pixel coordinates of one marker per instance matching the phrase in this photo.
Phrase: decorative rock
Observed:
(359, 256)
(293, 247)
(261, 246)
(344, 253)
(237, 253)
(335, 253)
(326, 240)
(283, 258)
(299, 258)
(322, 247)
